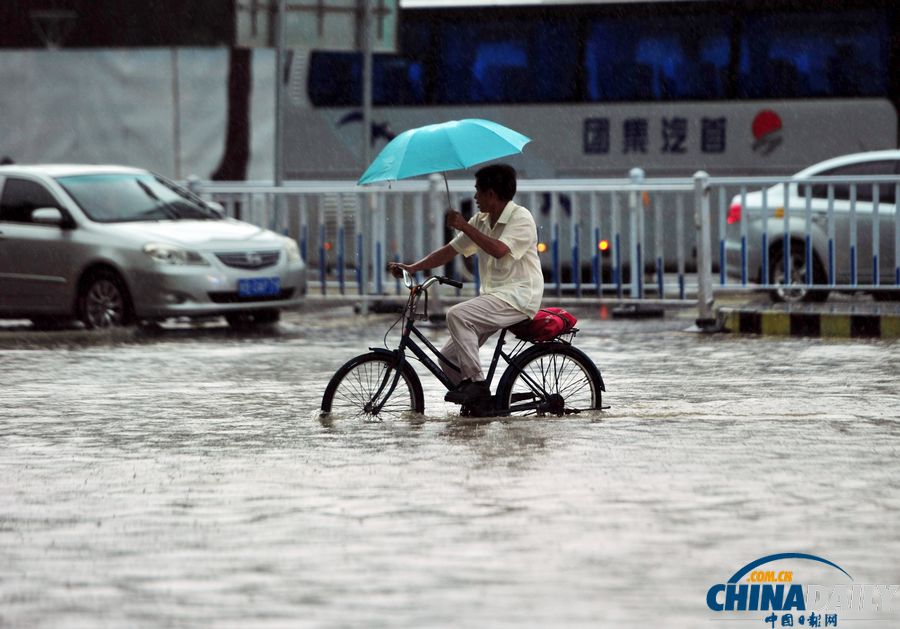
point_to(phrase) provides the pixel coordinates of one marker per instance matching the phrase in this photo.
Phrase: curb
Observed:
(810, 324)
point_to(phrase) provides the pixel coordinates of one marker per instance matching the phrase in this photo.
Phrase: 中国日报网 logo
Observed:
(798, 590)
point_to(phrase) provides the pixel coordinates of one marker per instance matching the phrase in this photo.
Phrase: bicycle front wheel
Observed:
(550, 379)
(361, 389)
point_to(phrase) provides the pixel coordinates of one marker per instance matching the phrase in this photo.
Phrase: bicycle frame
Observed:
(408, 342)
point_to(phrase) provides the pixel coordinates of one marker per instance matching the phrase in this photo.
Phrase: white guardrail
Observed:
(739, 233)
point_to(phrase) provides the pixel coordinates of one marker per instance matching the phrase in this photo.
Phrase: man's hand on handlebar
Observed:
(397, 268)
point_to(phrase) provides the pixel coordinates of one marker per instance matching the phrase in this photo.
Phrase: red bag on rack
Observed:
(547, 324)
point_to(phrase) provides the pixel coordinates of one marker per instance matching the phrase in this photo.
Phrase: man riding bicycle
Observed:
(512, 284)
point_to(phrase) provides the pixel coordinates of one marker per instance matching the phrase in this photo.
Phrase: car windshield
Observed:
(114, 198)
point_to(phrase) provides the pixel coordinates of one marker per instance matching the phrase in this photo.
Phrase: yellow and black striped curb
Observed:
(810, 324)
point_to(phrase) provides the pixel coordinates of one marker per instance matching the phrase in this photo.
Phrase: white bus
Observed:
(761, 87)
(757, 87)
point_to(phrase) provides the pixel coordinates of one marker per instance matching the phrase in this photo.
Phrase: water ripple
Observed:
(185, 480)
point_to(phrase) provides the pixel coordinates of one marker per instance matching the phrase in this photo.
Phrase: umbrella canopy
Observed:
(440, 147)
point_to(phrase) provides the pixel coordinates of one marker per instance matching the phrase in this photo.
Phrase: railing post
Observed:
(554, 244)
(706, 320)
(437, 205)
(379, 231)
(365, 247)
(635, 224)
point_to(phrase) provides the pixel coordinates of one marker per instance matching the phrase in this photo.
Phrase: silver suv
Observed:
(112, 245)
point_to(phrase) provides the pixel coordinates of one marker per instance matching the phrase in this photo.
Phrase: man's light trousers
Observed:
(471, 323)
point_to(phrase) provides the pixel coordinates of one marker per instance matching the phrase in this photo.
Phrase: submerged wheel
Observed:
(794, 290)
(352, 390)
(103, 301)
(551, 379)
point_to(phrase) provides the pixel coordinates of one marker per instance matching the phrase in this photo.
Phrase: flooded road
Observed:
(184, 480)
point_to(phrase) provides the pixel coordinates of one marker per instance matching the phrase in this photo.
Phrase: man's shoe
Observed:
(467, 392)
(463, 384)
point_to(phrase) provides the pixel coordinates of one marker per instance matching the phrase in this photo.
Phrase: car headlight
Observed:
(168, 254)
(293, 251)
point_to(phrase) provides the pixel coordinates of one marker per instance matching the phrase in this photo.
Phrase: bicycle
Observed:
(540, 378)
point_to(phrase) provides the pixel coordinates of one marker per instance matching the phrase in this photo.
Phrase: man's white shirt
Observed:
(516, 278)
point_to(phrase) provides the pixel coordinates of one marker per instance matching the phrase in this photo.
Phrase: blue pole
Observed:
(787, 259)
(722, 263)
(379, 280)
(743, 260)
(617, 270)
(640, 272)
(322, 260)
(556, 273)
(359, 263)
(576, 263)
(659, 276)
(809, 261)
(477, 275)
(397, 282)
(340, 262)
(304, 242)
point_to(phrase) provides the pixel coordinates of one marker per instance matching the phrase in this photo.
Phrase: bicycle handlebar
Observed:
(447, 280)
(440, 279)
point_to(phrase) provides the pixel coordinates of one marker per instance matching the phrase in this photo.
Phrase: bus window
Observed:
(790, 55)
(658, 58)
(397, 81)
(509, 62)
(335, 80)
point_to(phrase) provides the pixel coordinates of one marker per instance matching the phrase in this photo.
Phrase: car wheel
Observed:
(103, 301)
(794, 290)
(252, 319)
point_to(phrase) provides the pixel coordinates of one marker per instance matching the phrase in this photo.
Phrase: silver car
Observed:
(112, 245)
(840, 229)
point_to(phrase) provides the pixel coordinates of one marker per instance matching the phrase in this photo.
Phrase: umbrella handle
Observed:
(447, 186)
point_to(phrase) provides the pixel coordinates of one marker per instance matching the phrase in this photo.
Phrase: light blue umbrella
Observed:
(441, 147)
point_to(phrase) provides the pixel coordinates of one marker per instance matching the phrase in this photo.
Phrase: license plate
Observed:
(259, 287)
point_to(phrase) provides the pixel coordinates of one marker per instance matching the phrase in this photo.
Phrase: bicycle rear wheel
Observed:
(359, 387)
(550, 379)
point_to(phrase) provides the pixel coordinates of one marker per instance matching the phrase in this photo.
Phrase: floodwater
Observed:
(185, 480)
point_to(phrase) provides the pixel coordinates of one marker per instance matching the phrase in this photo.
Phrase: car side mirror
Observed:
(49, 216)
